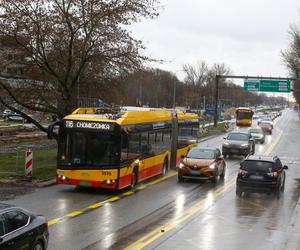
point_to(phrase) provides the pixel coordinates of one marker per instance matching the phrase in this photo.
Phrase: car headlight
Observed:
(225, 143)
(212, 166)
(244, 145)
(181, 165)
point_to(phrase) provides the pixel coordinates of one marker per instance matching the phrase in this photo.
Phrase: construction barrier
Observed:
(28, 163)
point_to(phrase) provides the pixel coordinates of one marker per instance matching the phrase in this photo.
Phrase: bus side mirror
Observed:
(285, 167)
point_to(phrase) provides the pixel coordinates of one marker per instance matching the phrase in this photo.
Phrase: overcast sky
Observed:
(246, 35)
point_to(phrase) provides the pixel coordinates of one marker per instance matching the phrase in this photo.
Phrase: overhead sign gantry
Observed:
(256, 83)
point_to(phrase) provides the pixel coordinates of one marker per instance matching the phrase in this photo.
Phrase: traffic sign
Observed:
(275, 86)
(251, 85)
(267, 85)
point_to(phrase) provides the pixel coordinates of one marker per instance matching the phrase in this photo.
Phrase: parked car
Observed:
(202, 163)
(21, 229)
(266, 127)
(261, 174)
(257, 134)
(13, 117)
(238, 143)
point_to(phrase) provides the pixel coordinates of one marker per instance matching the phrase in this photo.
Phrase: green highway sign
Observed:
(251, 85)
(267, 85)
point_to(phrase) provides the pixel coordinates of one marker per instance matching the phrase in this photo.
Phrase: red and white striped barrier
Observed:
(28, 163)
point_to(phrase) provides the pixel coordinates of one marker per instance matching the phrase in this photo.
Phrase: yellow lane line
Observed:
(52, 222)
(274, 144)
(73, 214)
(112, 199)
(96, 205)
(128, 193)
(115, 198)
(161, 230)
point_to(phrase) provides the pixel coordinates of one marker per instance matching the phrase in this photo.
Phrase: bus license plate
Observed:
(84, 184)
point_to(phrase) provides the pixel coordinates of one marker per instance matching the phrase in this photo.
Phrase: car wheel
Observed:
(277, 193)
(165, 168)
(180, 178)
(282, 187)
(223, 172)
(38, 246)
(134, 179)
(238, 192)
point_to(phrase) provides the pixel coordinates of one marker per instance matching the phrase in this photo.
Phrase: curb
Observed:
(292, 234)
(48, 183)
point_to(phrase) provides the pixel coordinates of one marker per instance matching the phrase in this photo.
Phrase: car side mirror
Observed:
(224, 137)
(285, 167)
(220, 158)
(182, 156)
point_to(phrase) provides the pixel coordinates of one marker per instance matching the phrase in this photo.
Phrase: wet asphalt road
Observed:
(172, 215)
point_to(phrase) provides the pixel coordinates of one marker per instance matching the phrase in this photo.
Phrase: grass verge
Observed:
(44, 164)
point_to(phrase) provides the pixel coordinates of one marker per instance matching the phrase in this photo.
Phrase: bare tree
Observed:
(291, 58)
(68, 43)
(196, 75)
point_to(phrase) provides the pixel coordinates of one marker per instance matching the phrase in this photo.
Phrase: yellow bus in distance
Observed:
(244, 116)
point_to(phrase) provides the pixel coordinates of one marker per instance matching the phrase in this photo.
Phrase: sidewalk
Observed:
(292, 239)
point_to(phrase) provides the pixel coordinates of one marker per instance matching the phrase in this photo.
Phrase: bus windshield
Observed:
(244, 115)
(89, 149)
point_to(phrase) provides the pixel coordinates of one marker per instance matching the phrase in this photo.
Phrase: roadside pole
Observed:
(216, 101)
(174, 139)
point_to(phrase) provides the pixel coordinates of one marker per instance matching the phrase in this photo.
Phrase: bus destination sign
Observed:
(88, 125)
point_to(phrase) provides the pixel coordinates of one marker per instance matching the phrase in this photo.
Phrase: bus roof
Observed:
(128, 117)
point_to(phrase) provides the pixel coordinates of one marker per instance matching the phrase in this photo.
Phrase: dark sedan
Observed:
(238, 143)
(202, 163)
(20, 229)
(261, 174)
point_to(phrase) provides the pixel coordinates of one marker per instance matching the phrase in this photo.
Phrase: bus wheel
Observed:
(134, 179)
(165, 168)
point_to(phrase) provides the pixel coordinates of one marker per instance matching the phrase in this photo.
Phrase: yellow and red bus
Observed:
(244, 116)
(117, 150)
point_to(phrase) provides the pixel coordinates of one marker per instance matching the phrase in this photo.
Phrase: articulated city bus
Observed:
(115, 150)
(244, 116)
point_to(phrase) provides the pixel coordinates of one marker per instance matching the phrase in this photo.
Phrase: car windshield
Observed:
(257, 166)
(255, 131)
(200, 153)
(238, 137)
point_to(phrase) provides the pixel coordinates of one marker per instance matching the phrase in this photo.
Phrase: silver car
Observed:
(238, 143)
(257, 134)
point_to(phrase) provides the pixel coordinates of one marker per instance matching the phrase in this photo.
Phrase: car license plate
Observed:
(234, 150)
(194, 172)
(256, 177)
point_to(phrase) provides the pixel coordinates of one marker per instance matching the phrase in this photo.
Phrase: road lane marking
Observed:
(128, 193)
(73, 214)
(109, 200)
(96, 205)
(115, 198)
(161, 230)
(274, 144)
(52, 222)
